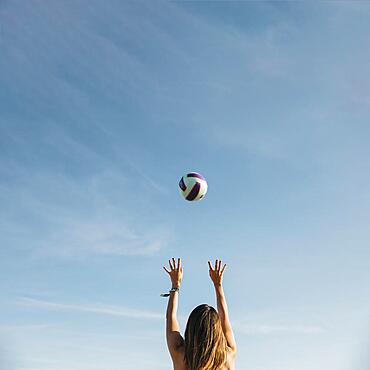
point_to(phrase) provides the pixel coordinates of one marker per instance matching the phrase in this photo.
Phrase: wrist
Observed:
(174, 289)
(218, 287)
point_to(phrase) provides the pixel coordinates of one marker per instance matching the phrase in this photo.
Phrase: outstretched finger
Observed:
(216, 265)
(174, 263)
(219, 265)
(210, 265)
(223, 269)
(169, 261)
(166, 270)
(178, 263)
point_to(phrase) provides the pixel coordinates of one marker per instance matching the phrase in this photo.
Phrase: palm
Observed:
(216, 273)
(175, 272)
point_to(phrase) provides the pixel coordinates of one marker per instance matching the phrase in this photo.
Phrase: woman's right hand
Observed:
(216, 273)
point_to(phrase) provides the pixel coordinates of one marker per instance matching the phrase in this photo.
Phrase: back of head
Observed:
(205, 343)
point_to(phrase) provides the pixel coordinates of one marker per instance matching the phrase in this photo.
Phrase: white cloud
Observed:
(93, 308)
(28, 327)
(259, 328)
(98, 236)
(78, 216)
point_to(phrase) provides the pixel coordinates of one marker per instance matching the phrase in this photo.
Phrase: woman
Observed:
(209, 342)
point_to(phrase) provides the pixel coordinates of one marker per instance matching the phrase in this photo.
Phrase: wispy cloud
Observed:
(78, 216)
(155, 185)
(83, 237)
(23, 327)
(260, 328)
(113, 310)
(100, 309)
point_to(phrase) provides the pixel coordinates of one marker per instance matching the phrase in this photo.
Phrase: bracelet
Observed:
(170, 291)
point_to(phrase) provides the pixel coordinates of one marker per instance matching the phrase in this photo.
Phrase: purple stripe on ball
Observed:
(194, 174)
(193, 192)
(182, 184)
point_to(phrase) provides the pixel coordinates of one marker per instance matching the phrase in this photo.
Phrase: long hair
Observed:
(205, 343)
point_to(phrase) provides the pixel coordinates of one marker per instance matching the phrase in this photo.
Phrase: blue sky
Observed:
(103, 107)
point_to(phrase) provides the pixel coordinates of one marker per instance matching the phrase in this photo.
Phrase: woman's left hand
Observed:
(175, 272)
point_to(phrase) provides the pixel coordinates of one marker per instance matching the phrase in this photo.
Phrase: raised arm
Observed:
(216, 275)
(173, 336)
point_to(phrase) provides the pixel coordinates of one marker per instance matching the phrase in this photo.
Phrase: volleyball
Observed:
(193, 186)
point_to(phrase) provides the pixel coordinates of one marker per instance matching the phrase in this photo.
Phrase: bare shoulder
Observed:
(178, 360)
(231, 356)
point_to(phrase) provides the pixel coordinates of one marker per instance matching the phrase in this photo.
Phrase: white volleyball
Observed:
(193, 186)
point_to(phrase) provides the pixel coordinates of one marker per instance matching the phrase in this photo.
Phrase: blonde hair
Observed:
(205, 343)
